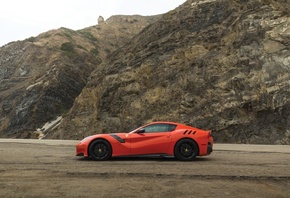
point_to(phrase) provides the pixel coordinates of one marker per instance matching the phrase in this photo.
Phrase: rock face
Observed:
(40, 77)
(100, 20)
(37, 83)
(215, 64)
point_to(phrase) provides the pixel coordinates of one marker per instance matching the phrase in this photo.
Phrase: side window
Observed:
(171, 127)
(159, 128)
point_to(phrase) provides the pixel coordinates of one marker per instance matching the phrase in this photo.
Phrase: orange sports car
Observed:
(156, 138)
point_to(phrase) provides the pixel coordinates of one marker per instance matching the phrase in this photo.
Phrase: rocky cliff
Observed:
(215, 64)
(41, 76)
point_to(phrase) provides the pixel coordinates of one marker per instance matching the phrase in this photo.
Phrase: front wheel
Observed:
(100, 150)
(186, 150)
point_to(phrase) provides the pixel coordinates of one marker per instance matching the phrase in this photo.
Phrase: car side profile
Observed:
(156, 138)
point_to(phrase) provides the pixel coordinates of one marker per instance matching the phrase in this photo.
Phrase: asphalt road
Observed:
(49, 168)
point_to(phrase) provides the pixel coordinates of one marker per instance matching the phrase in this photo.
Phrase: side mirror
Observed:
(141, 130)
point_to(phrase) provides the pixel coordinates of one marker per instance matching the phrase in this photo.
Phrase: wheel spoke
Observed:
(186, 150)
(101, 150)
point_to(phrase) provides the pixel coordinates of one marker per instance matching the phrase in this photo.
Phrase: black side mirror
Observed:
(141, 130)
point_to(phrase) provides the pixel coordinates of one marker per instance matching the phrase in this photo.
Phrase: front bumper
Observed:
(79, 154)
(81, 149)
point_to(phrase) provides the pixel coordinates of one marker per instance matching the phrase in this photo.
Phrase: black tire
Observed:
(100, 150)
(186, 150)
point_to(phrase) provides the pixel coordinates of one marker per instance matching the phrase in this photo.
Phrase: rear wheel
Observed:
(186, 150)
(100, 150)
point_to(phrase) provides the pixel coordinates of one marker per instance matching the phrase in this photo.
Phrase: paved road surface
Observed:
(49, 168)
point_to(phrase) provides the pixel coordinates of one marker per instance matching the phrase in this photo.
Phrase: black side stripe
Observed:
(118, 138)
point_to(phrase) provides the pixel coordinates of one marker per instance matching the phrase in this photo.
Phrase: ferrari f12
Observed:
(156, 138)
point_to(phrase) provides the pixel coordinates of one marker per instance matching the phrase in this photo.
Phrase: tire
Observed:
(186, 150)
(100, 150)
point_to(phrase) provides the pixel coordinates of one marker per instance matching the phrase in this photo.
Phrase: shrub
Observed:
(89, 35)
(31, 39)
(68, 47)
(95, 51)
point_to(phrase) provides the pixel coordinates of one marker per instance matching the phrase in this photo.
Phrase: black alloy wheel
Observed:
(100, 150)
(186, 150)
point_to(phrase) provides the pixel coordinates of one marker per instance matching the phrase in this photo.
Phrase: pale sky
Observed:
(21, 19)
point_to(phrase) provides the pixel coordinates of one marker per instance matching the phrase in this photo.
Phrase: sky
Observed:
(21, 19)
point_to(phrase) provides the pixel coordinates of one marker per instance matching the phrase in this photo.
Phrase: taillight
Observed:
(209, 134)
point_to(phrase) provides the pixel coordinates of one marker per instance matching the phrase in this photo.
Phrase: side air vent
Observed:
(187, 132)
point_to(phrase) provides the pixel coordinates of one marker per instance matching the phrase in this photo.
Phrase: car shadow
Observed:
(146, 158)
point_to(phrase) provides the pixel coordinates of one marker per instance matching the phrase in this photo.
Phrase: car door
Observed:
(152, 139)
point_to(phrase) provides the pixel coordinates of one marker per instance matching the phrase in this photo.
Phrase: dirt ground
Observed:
(49, 168)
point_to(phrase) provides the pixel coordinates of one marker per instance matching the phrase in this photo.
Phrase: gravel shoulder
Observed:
(49, 168)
